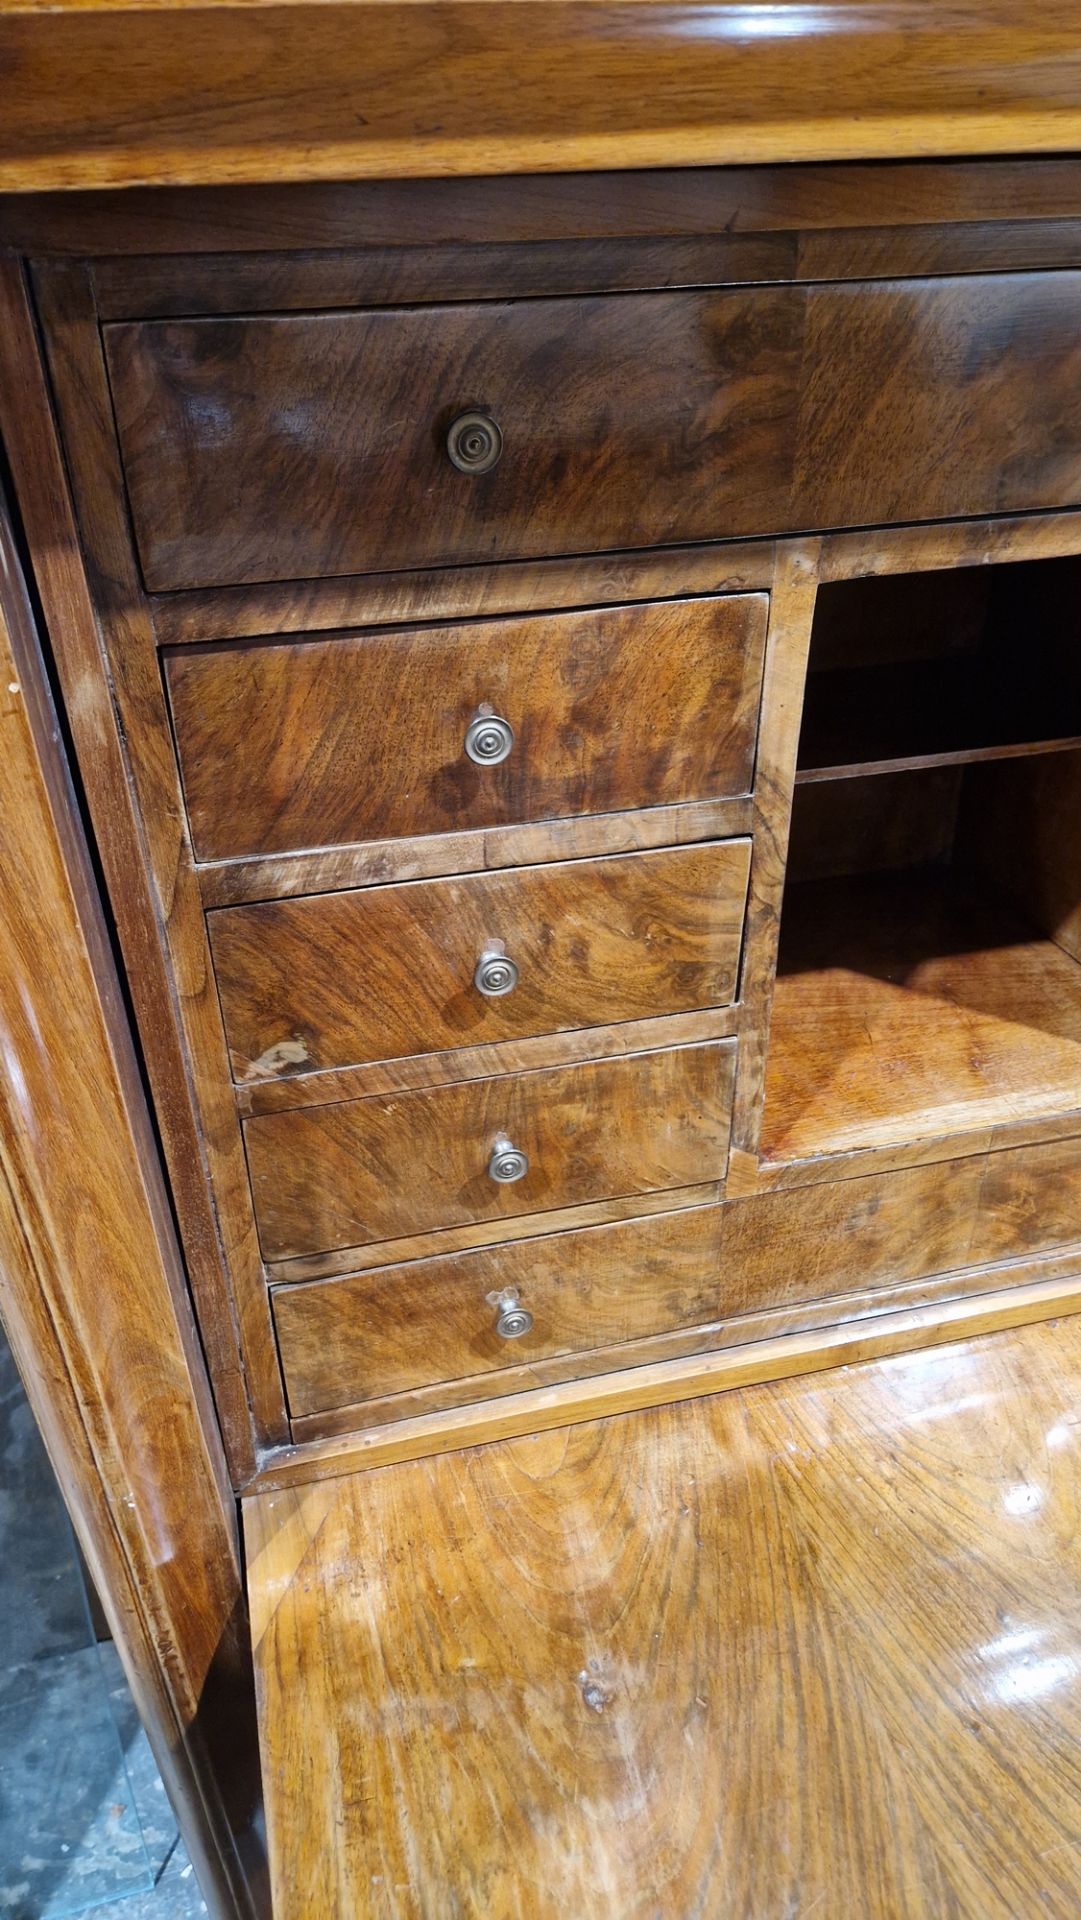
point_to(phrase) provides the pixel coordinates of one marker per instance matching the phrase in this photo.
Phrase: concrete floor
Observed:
(85, 1826)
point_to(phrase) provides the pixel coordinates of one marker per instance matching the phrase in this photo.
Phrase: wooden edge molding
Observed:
(129, 94)
(535, 208)
(94, 1299)
(1054, 1289)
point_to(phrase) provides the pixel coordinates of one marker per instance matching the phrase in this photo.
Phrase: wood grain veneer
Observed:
(367, 1170)
(702, 451)
(819, 1636)
(117, 95)
(313, 793)
(362, 736)
(626, 422)
(178, 285)
(431, 1321)
(93, 1295)
(908, 1005)
(99, 626)
(389, 971)
(870, 199)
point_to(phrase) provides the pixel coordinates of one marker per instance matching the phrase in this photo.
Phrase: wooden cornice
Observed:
(114, 95)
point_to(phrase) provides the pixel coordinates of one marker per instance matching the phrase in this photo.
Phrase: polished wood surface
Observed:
(321, 724)
(626, 422)
(464, 1411)
(1031, 1291)
(379, 1334)
(397, 275)
(368, 1170)
(475, 850)
(910, 1006)
(487, 1233)
(114, 94)
(71, 502)
(400, 1328)
(809, 1647)
(306, 743)
(93, 1295)
(306, 1089)
(879, 205)
(792, 602)
(374, 975)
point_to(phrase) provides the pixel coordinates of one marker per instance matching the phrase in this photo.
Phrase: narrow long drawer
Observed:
(274, 447)
(367, 1170)
(368, 736)
(382, 972)
(367, 1336)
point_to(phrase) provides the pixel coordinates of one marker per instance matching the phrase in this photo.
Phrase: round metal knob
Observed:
(488, 739)
(474, 443)
(496, 973)
(507, 1162)
(512, 1319)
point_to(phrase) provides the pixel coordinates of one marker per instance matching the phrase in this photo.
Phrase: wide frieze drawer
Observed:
(383, 972)
(434, 729)
(275, 447)
(361, 1171)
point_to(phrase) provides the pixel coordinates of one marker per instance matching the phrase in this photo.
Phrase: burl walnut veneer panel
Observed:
(268, 448)
(362, 736)
(384, 972)
(368, 1170)
(365, 1335)
(804, 1648)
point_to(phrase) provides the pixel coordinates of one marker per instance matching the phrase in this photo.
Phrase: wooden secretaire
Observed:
(575, 685)
(590, 777)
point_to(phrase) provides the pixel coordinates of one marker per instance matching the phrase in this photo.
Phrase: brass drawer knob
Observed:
(495, 973)
(507, 1163)
(488, 738)
(513, 1319)
(474, 443)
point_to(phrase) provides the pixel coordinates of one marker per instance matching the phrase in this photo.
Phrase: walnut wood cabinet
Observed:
(571, 683)
(582, 727)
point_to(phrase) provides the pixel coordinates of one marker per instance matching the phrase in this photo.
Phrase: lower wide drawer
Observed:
(360, 1171)
(371, 1335)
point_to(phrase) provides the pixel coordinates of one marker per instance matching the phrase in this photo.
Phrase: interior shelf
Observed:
(911, 1005)
(929, 975)
(927, 713)
(939, 669)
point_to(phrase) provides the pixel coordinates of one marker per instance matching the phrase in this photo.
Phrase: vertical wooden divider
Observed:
(787, 643)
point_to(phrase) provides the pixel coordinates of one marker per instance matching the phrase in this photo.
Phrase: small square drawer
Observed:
(339, 979)
(360, 737)
(356, 1172)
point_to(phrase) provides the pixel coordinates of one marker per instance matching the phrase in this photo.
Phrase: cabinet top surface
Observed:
(178, 92)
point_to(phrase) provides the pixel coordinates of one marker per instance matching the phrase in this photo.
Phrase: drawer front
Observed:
(367, 1335)
(340, 979)
(389, 1332)
(275, 448)
(365, 737)
(362, 1171)
(268, 449)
